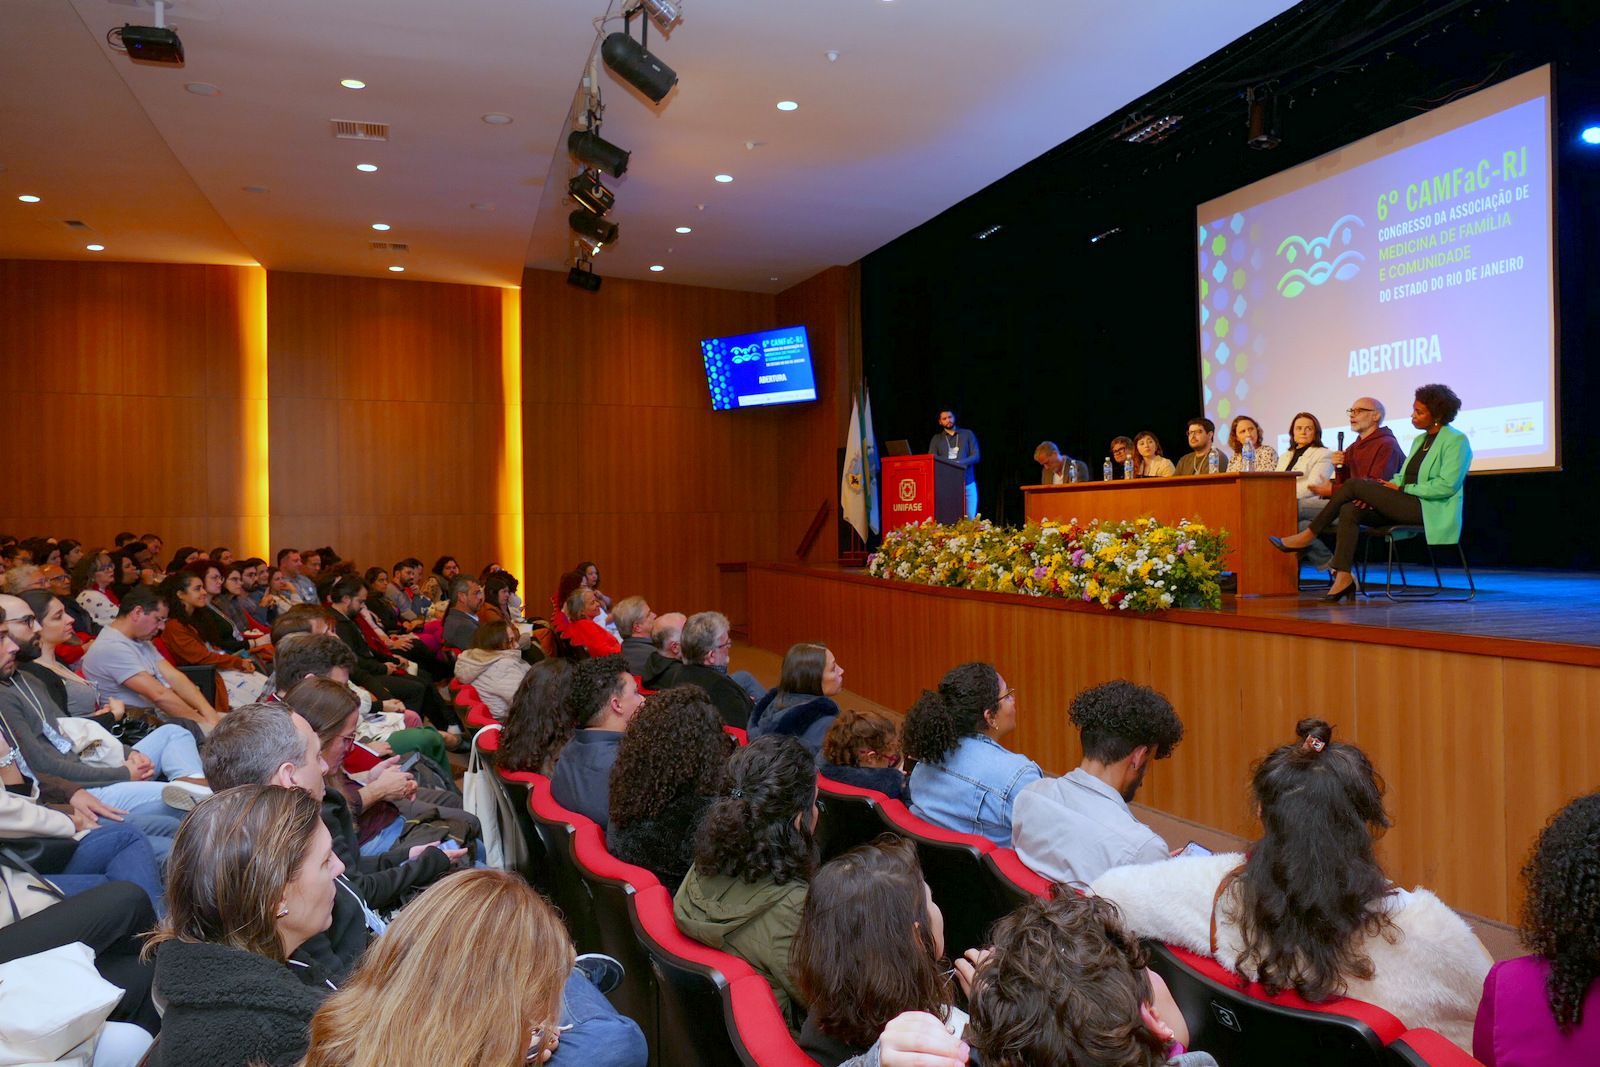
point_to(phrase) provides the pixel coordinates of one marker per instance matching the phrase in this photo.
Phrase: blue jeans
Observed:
(599, 1035)
(112, 854)
(385, 839)
(172, 749)
(747, 681)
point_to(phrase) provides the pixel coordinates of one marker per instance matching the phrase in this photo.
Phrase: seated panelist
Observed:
(1055, 466)
(1150, 462)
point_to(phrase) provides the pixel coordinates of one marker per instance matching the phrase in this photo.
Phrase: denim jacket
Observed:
(972, 789)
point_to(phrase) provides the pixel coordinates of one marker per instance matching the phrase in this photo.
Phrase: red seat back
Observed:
(1426, 1048)
(612, 885)
(952, 864)
(693, 1025)
(555, 827)
(759, 1029)
(1014, 877)
(850, 816)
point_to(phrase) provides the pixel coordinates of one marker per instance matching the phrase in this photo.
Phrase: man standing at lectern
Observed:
(961, 448)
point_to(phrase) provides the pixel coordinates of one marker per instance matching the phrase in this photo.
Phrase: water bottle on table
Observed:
(1249, 454)
(1212, 465)
(1105, 470)
(1127, 469)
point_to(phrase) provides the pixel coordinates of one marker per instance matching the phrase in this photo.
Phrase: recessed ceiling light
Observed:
(254, 188)
(398, 269)
(353, 83)
(366, 167)
(95, 248)
(724, 178)
(203, 89)
(481, 207)
(773, 278)
(656, 267)
(380, 226)
(495, 118)
(685, 229)
(28, 198)
(787, 105)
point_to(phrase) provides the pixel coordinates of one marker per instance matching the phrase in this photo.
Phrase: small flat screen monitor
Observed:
(756, 369)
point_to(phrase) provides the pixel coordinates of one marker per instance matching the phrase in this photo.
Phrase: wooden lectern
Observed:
(922, 487)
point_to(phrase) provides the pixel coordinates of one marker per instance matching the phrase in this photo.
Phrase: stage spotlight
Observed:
(1262, 124)
(588, 191)
(592, 228)
(583, 277)
(590, 148)
(1590, 135)
(633, 63)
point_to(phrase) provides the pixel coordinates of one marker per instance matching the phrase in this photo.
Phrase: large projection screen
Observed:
(1424, 253)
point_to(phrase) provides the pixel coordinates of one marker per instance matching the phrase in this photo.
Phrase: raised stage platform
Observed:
(1478, 715)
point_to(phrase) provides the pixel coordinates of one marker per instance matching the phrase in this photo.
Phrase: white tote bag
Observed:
(52, 1003)
(479, 798)
(93, 743)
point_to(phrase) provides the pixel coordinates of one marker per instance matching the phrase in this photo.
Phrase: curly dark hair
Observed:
(1063, 986)
(856, 733)
(594, 682)
(675, 746)
(864, 952)
(939, 720)
(538, 722)
(1306, 901)
(1115, 718)
(1561, 912)
(1441, 402)
(750, 831)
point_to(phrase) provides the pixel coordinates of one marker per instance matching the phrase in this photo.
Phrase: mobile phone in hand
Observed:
(410, 761)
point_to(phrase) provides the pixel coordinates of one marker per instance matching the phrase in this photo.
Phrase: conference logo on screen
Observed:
(1313, 262)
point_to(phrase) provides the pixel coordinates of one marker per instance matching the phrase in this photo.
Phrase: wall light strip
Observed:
(256, 522)
(510, 541)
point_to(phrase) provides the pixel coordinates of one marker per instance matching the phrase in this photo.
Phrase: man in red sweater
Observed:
(1374, 454)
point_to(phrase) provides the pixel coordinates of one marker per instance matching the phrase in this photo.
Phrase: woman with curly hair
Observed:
(965, 780)
(753, 858)
(1429, 493)
(538, 723)
(870, 947)
(669, 765)
(1308, 907)
(1065, 983)
(862, 748)
(1543, 1010)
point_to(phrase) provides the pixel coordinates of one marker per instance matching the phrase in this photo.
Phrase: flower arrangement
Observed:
(1138, 565)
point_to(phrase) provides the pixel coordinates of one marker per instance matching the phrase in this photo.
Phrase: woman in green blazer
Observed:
(1429, 493)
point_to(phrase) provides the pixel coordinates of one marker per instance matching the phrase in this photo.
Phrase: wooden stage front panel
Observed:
(1479, 745)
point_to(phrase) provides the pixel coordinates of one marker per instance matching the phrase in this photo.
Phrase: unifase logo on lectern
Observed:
(908, 493)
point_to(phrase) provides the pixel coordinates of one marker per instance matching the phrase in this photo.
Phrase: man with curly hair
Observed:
(603, 700)
(1075, 828)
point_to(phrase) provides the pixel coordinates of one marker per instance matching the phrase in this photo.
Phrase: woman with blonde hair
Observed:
(250, 880)
(487, 1019)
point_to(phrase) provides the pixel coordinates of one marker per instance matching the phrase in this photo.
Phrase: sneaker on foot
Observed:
(183, 795)
(605, 972)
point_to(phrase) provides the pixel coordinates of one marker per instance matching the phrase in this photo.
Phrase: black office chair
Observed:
(1392, 537)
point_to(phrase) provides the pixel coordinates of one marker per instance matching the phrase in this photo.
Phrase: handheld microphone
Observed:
(1341, 443)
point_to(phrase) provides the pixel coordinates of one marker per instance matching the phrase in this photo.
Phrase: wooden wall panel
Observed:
(624, 461)
(123, 386)
(1477, 750)
(387, 418)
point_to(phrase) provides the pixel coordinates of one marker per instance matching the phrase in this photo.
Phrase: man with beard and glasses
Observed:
(1075, 828)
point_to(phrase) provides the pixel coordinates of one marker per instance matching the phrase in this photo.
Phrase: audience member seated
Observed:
(182, 558)
(381, 672)
(1149, 461)
(56, 634)
(636, 623)
(1056, 467)
(667, 637)
(240, 679)
(493, 666)
(1066, 983)
(870, 946)
(1543, 1010)
(91, 586)
(1245, 429)
(705, 645)
(296, 584)
(496, 598)
(540, 721)
(58, 582)
(393, 816)
(235, 605)
(1312, 461)
(862, 748)
(965, 780)
(582, 629)
(589, 574)
(124, 665)
(1202, 433)
(461, 618)
(1075, 828)
(20, 579)
(604, 699)
(802, 705)
(753, 857)
(252, 878)
(1308, 907)
(551, 1013)
(669, 766)
(446, 569)
(403, 594)
(1429, 493)
(214, 624)
(914, 1039)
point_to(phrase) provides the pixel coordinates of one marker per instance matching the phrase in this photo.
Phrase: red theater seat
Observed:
(519, 785)
(737, 734)
(612, 885)
(1239, 1023)
(694, 1029)
(850, 816)
(1015, 878)
(953, 865)
(555, 827)
(455, 685)
(1427, 1048)
(759, 1030)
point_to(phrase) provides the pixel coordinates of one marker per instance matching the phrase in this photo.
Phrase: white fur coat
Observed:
(1431, 975)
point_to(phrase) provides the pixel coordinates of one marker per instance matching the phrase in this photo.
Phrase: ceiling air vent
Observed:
(350, 130)
(75, 224)
(388, 246)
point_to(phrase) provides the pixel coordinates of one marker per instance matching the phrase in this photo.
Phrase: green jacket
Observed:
(1439, 483)
(756, 922)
